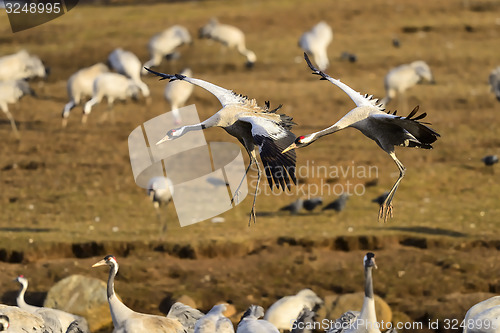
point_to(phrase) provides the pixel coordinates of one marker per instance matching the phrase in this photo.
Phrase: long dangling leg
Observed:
(386, 207)
(252, 212)
(237, 192)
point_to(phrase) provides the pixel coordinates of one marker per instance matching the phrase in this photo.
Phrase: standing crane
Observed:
(387, 130)
(52, 317)
(127, 63)
(315, 42)
(160, 190)
(253, 126)
(366, 320)
(125, 320)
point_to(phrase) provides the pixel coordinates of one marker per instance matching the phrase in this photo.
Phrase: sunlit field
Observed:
(68, 196)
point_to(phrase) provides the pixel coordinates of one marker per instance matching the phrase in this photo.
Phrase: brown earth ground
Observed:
(68, 196)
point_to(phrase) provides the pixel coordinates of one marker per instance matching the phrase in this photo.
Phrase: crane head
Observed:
(301, 141)
(369, 260)
(108, 260)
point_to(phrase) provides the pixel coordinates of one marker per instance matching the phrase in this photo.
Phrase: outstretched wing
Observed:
(358, 99)
(411, 124)
(272, 139)
(224, 96)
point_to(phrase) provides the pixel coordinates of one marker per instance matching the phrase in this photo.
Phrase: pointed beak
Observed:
(290, 147)
(100, 263)
(374, 263)
(165, 138)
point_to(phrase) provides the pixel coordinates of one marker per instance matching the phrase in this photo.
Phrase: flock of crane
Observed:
(254, 126)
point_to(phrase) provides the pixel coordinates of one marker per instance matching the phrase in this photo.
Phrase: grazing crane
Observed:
(52, 317)
(214, 321)
(125, 320)
(304, 322)
(113, 86)
(494, 79)
(484, 317)
(338, 204)
(403, 77)
(315, 42)
(127, 63)
(10, 92)
(490, 160)
(286, 310)
(229, 36)
(177, 93)
(164, 44)
(366, 320)
(81, 85)
(253, 126)
(21, 65)
(160, 190)
(250, 322)
(387, 130)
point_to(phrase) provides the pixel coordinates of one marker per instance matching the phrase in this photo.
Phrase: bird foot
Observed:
(252, 216)
(236, 196)
(385, 211)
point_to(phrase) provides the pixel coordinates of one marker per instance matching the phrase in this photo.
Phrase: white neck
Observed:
(21, 302)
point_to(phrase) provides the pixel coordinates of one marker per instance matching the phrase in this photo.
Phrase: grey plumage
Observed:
(344, 322)
(351, 57)
(57, 320)
(490, 160)
(310, 204)
(295, 207)
(304, 322)
(214, 321)
(229, 36)
(364, 321)
(401, 78)
(125, 320)
(10, 92)
(250, 322)
(338, 204)
(186, 315)
(254, 126)
(387, 130)
(160, 190)
(494, 80)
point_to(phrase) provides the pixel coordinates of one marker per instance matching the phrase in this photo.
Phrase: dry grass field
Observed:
(68, 196)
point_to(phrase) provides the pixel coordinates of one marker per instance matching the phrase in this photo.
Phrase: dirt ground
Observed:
(68, 196)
